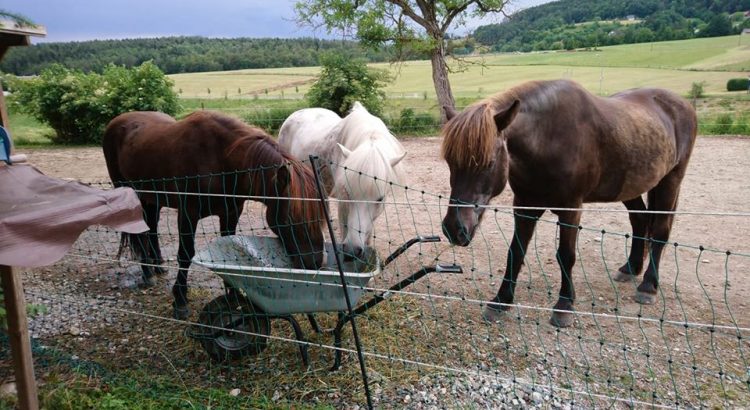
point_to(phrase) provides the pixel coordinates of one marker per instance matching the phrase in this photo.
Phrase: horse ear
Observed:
(450, 112)
(396, 160)
(344, 150)
(503, 118)
(283, 176)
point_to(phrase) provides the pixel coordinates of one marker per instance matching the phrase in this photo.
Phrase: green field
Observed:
(674, 65)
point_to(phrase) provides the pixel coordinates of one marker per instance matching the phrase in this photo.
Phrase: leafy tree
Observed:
(344, 80)
(718, 25)
(78, 106)
(407, 24)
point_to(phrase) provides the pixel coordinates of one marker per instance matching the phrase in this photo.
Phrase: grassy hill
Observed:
(673, 65)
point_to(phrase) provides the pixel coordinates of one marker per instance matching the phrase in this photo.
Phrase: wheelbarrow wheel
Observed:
(238, 328)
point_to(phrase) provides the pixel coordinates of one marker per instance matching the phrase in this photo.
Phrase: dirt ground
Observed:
(689, 349)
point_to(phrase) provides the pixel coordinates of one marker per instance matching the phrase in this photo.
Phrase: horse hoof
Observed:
(562, 319)
(148, 282)
(181, 312)
(620, 276)
(645, 298)
(493, 315)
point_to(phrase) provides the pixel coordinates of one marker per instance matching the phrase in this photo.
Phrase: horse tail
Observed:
(126, 242)
(111, 142)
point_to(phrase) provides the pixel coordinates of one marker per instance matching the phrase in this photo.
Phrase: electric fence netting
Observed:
(426, 344)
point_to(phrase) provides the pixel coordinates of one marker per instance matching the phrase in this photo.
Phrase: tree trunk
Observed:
(440, 79)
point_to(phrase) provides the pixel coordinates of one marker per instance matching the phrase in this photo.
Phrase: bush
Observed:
(78, 106)
(722, 124)
(741, 125)
(269, 119)
(344, 80)
(411, 123)
(696, 90)
(738, 84)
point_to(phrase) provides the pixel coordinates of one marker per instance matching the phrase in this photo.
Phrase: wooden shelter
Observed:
(15, 33)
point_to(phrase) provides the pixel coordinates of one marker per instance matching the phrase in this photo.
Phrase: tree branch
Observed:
(489, 9)
(409, 12)
(452, 14)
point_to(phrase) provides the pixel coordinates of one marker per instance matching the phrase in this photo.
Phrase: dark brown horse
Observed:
(203, 165)
(560, 146)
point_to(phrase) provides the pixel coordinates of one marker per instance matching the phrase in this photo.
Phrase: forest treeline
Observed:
(569, 24)
(181, 54)
(563, 24)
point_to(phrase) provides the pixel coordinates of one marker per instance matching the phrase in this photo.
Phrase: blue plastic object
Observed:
(5, 146)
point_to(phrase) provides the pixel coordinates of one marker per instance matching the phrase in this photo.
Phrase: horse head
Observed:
(363, 192)
(475, 148)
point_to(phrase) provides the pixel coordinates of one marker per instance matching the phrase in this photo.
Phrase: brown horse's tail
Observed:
(111, 141)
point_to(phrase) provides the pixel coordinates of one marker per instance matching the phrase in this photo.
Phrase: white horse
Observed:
(359, 160)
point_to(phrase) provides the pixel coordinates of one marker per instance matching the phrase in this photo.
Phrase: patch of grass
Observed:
(27, 130)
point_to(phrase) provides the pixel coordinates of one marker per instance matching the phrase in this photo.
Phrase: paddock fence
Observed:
(426, 345)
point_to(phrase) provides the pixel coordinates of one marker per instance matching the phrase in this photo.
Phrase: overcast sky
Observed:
(78, 20)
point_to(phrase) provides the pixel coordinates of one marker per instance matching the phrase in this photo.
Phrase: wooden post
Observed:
(18, 334)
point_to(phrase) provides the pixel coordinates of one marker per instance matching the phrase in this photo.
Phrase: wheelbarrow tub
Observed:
(259, 266)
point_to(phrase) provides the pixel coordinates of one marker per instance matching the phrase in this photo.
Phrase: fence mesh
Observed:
(426, 344)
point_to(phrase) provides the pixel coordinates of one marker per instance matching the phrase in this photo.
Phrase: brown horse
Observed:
(203, 165)
(560, 146)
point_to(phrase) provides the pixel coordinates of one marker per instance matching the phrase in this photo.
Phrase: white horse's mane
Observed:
(372, 147)
(364, 158)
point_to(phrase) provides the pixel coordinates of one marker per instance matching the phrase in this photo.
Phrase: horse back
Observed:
(151, 151)
(568, 146)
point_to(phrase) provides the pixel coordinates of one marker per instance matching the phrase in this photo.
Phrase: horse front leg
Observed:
(185, 253)
(566, 257)
(639, 221)
(525, 223)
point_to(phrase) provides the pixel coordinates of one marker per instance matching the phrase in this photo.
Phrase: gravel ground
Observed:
(95, 308)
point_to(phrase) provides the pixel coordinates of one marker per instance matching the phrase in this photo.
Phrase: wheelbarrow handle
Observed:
(449, 269)
(401, 249)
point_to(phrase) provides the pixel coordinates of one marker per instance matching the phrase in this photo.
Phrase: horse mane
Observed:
(367, 136)
(371, 169)
(359, 126)
(260, 152)
(469, 137)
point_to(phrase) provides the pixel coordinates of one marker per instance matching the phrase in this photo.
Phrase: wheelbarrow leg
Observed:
(314, 323)
(337, 340)
(300, 336)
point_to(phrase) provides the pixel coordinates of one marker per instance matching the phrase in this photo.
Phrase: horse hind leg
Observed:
(639, 221)
(138, 244)
(661, 198)
(185, 253)
(152, 213)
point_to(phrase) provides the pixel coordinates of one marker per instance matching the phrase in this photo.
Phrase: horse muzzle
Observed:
(458, 232)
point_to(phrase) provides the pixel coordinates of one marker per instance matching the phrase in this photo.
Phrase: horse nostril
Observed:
(358, 251)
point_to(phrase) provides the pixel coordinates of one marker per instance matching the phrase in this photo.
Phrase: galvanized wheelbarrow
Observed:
(261, 285)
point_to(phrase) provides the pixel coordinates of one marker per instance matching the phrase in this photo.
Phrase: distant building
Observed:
(745, 31)
(630, 17)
